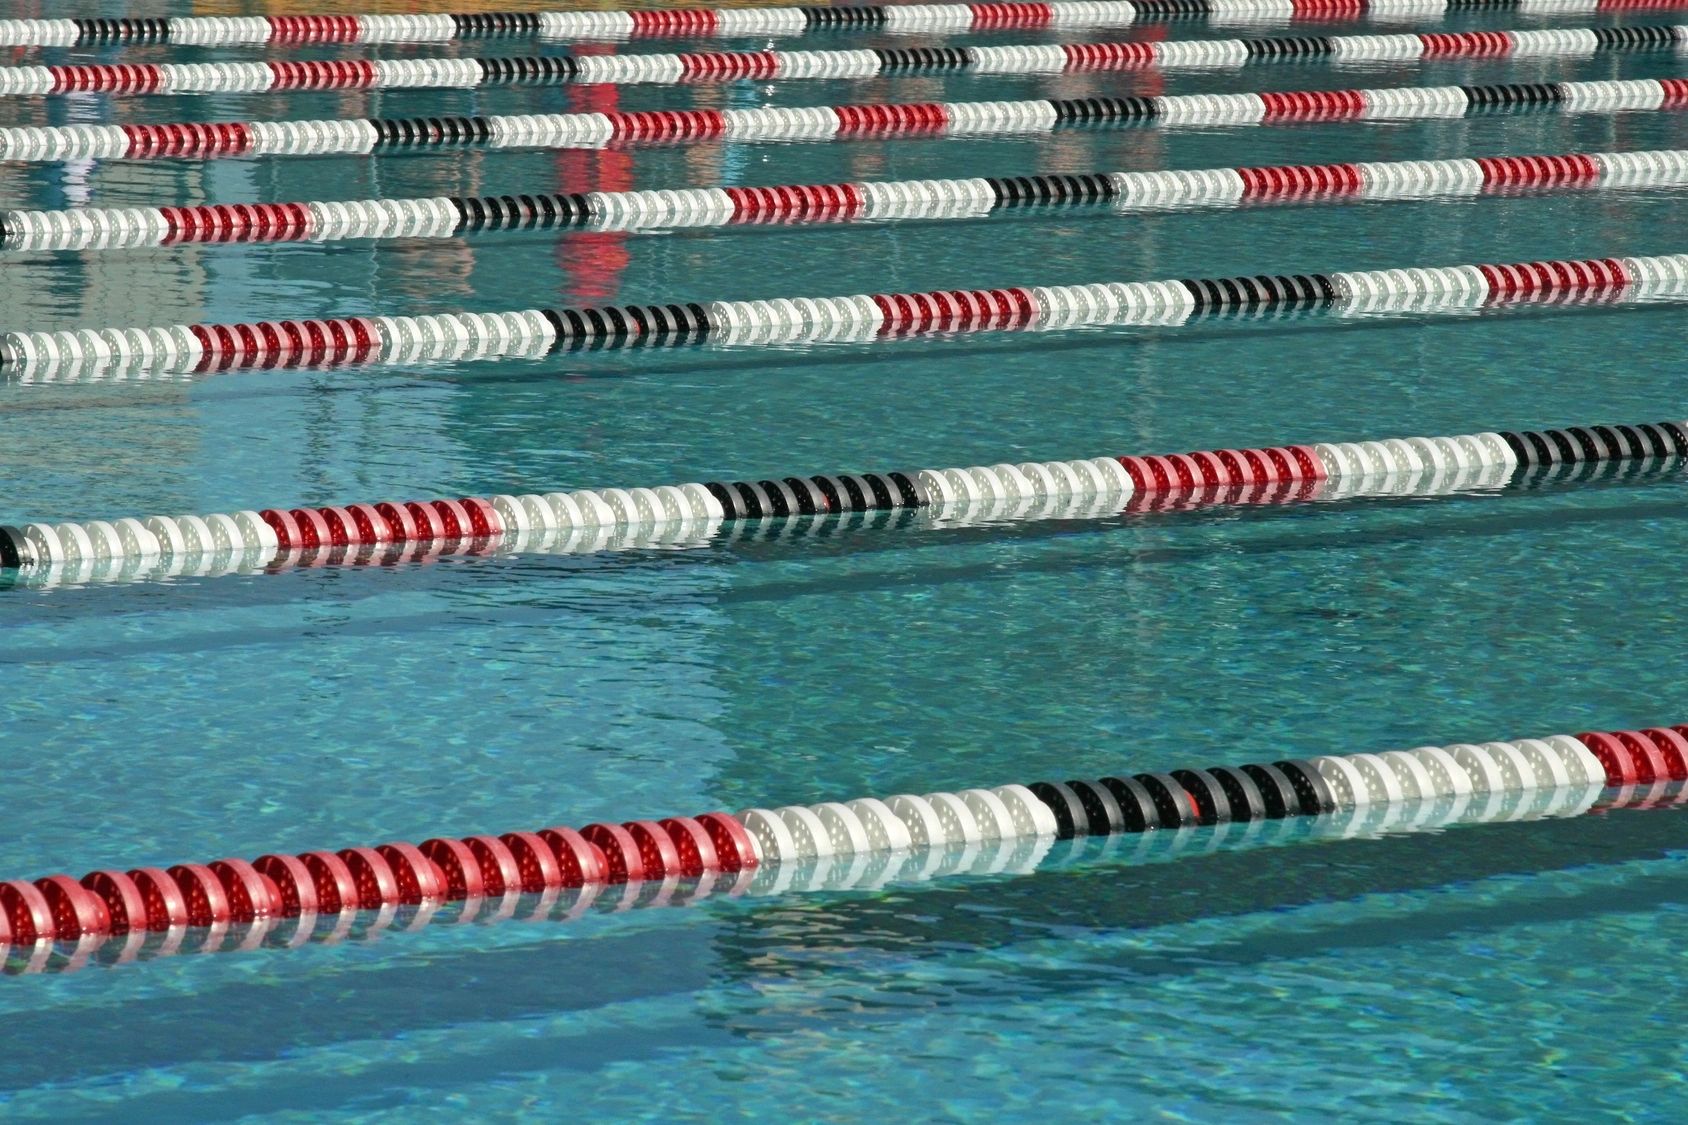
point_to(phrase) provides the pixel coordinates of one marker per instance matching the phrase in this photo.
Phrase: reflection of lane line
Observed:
(533, 333)
(734, 66)
(363, 136)
(724, 23)
(108, 228)
(686, 515)
(866, 843)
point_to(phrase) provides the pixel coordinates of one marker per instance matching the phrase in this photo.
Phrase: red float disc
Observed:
(124, 904)
(298, 346)
(418, 877)
(1675, 749)
(499, 872)
(342, 527)
(203, 893)
(535, 860)
(313, 529)
(732, 841)
(457, 866)
(295, 887)
(1213, 473)
(1650, 764)
(401, 525)
(1262, 469)
(580, 860)
(76, 909)
(657, 853)
(276, 347)
(249, 899)
(376, 884)
(696, 849)
(1190, 474)
(286, 528)
(454, 519)
(339, 340)
(1142, 479)
(1237, 471)
(483, 516)
(336, 890)
(228, 344)
(1307, 462)
(165, 906)
(249, 345)
(1283, 468)
(364, 336)
(1166, 475)
(1614, 758)
(621, 854)
(370, 524)
(272, 894)
(318, 340)
(428, 523)
(27, 914)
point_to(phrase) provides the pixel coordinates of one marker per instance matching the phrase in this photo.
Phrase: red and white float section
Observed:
(534, 333)
(728, 66)
(286, 899)
(362, 136)
(114, 228)
(725, 23)
(1281, 474)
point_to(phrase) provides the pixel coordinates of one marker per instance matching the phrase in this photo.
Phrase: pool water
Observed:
(1515, 970)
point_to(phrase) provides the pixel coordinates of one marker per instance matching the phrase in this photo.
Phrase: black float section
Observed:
(441, 131)
(1508, 95)
(533, 70)
(122, 31)
(859, 16)
(520, 212)
(1087, 111)
(1217, 795)
(485, 25)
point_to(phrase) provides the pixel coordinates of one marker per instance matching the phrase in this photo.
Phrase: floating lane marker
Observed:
(996, 498)
(111, 228)
(865, 841)
(726, 23)
(1281, 474)
(362, 136)
(732, 66)
(534, 333)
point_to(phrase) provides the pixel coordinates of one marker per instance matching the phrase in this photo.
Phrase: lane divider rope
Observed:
(534, 333)
(732, 66)
(115, 228)
(1161, 483)
(1419, 784)
(363, 136)
(991, 505)
(873, 871)
(723, 23)
(994, 507)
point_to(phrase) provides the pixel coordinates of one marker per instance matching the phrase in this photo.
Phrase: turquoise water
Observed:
(1501, 971)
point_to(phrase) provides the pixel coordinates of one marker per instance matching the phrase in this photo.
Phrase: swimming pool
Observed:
(1486, 970)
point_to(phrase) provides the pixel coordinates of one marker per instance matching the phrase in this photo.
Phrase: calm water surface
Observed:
(1517, 970)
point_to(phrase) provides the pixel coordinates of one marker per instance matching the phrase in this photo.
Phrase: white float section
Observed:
(1414, 102)
(1210, 109)
(406, 29)
(586, 25)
